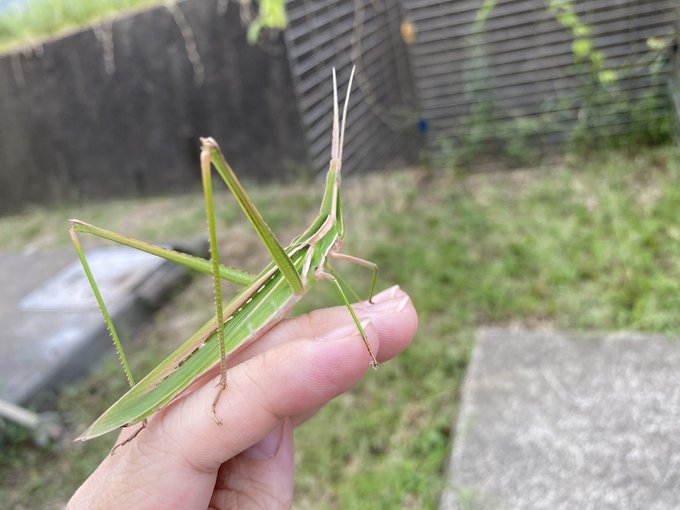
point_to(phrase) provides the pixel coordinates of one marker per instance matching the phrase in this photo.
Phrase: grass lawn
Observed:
(585, 244)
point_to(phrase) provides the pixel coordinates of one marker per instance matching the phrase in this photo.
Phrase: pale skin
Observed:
(183, 459)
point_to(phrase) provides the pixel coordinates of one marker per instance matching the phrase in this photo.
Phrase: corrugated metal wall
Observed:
(326, 33)
(520, 63)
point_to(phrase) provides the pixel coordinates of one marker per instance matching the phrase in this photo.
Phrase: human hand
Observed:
(184, 460)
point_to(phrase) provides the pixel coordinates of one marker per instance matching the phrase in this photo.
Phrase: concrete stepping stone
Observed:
(53, 331)
(555, 421)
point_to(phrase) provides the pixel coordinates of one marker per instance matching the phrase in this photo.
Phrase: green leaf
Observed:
(656, 43)
(484, 11)
(581, 31)
(581, 48)
(567, 19)
(273, 14)
(254, 31)
(607, 76)
(597, 58)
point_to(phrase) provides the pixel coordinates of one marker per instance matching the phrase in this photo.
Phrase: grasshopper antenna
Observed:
(344, 112)
(335, 137)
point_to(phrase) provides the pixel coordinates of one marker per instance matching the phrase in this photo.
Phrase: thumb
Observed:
(260, 477)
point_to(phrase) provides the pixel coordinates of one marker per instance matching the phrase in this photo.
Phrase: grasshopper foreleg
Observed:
(363, 263)
(322, 275)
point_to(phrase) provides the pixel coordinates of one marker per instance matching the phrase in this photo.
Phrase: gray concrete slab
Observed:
(53, 331)
(561, 421)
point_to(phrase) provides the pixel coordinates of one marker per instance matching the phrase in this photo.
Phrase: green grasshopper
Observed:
(264, 301)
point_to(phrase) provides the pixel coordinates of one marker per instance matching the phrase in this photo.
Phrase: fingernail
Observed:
(267, 447)
(386, 294)
(402, 304)
(340, 333)
(396, 304)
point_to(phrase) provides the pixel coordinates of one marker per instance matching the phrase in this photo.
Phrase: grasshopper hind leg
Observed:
(217, 284)
(221, 386)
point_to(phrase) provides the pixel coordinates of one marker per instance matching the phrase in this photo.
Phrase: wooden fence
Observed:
(498, 62)
(116, 109)
(323, 34)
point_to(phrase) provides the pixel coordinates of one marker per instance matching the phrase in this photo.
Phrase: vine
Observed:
(268, 15)
(599, 97)
(271, 15)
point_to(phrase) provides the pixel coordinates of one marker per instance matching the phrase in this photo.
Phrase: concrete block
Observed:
(53, 331)
(555, 421)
